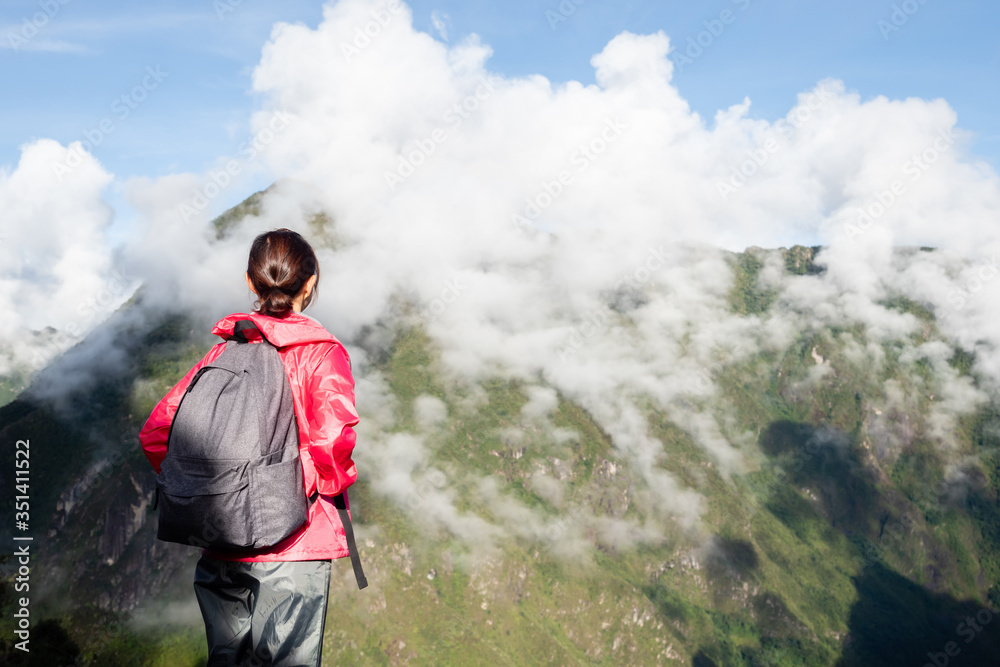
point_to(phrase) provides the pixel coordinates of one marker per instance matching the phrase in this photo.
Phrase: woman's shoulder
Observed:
(289, 330)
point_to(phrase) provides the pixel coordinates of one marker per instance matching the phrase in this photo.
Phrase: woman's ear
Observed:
(309, 286)
(250, 283)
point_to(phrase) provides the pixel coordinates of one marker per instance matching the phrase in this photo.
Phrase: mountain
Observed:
(515, 530)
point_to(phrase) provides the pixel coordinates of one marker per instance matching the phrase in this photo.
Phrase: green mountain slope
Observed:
(850, 540)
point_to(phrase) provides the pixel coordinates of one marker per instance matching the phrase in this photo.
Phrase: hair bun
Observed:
(280, 264)
(275, 300)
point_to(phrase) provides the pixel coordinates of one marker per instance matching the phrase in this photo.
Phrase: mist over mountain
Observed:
(635, 385)
(754, 505)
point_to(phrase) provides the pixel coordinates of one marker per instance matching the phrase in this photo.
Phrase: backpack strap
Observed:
(352, 547)
(338, 500)
(242, 326)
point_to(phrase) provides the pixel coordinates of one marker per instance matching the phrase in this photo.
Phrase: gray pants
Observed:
(263, 614)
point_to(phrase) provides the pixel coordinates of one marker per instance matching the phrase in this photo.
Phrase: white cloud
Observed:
(615, 292)
(625, 180)
(440, 23)
(56, 267)
(430, 410)
(45, 45)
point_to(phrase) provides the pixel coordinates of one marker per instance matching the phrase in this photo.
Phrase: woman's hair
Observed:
(281, 262)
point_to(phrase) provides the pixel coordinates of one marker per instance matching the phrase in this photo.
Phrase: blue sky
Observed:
(65, 80)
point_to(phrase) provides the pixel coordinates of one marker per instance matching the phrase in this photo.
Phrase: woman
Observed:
(268, 607)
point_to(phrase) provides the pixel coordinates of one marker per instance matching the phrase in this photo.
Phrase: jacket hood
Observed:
(292, 329)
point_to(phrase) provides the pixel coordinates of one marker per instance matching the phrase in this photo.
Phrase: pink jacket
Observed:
(319, 373)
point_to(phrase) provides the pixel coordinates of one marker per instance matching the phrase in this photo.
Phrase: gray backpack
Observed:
(232, 479)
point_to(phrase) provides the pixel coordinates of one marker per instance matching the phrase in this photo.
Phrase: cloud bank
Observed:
(57, 274)
(571, 235)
